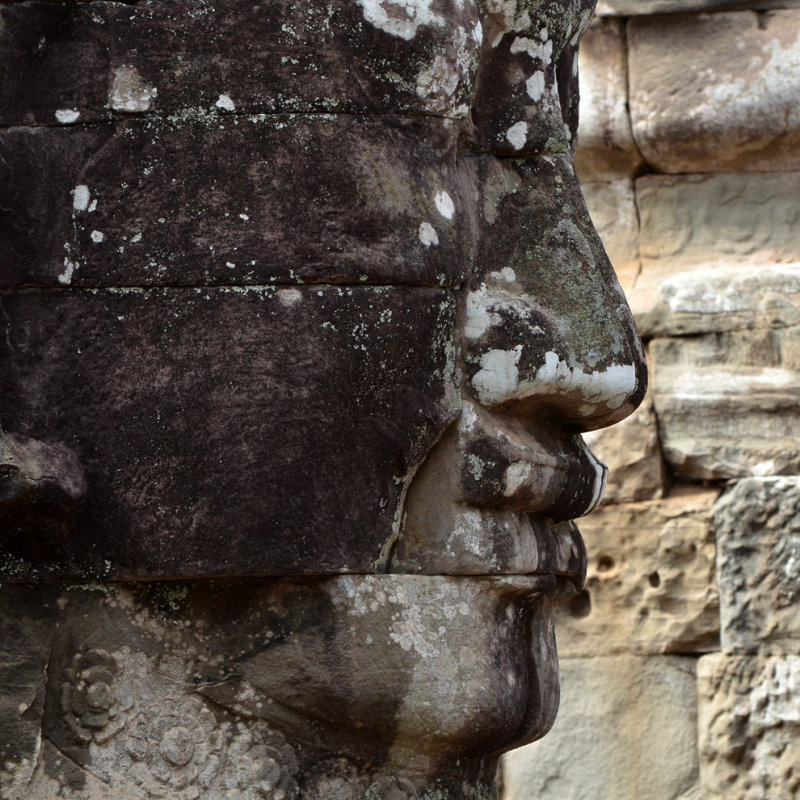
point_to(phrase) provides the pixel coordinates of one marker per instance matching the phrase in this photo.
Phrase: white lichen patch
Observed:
(428, 235)
(66, 116)
(400, 18)
(80, 198)
(517, 135)
(539, 51)
(437, 83)
(65, 278)
(289, 297)
(507, 17)
(97, 236)
(487, 307)
(498, 377)
(444, 204)
(535, 86)
(600, 389)
(128, 91)
(225, 103)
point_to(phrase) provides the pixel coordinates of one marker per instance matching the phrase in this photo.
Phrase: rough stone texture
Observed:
(612, 206)
(650, 585)
(727, 404)
(632, 451)
(146, 203)
(749, 724)
(758, 539)
(616, 714)
(175, 464)
(719, 252)
(628, 8)
(695, 108)
(606, 149)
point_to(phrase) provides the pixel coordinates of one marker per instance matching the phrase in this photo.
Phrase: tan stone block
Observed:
(716, 92)
(630, 8)
(651, 584)
(728, 404)
(749, 727)
(718, 252)
(758, 539)
(605, 142)
(612, 207)
(626, 730)
(632, 451)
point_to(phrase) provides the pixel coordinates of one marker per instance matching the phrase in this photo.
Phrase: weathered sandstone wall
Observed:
(681, 661)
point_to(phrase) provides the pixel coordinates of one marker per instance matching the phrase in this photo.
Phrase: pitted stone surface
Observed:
(758, 540)
(727, 403)
(749, 726)
(736, 117)
(650, 584)
(719, 252)
(653, 705)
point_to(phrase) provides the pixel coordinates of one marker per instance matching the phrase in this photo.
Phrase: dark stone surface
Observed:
(225, 431)
(274, 199)
(267, 57)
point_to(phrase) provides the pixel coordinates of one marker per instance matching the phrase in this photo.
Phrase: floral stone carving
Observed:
(175, 747)
(92, 706)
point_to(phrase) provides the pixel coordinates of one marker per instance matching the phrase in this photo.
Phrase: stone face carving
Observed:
(313, 296)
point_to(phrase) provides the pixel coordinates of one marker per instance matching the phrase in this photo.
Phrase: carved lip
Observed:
(527, 466)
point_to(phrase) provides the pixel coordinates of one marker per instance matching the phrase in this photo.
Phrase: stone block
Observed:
(717, 92)
(727, 404)
(626, 729)
(749, 727)
(605, 142)
(632, 452)
(650, 585)
(612, 207)
(194, 415)
(631, 8)
(758, 555)
(176, 203)
(718, 252)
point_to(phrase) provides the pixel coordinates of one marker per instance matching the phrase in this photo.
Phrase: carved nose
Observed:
(546, 328)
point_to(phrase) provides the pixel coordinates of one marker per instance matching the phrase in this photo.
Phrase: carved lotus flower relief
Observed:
(260, 766)
(91, 699)
(174, 748)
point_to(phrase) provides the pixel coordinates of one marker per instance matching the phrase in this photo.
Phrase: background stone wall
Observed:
(681, 661)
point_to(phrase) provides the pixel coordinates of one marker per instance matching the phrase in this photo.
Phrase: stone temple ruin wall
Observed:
(681, 661)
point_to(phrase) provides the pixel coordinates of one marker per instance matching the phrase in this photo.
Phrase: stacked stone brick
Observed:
(681, 661)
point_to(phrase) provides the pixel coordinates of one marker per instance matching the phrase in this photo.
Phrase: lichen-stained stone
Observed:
(358, 686)
(716, 92)
(749, 726)
(612, 207)
(238, 200)
(630, 8)
(606, 149)
(632, 452)
(718, 252)
(27, 625)
(205, 448)
(650, 585)
(758, 555)
(626, 730)
(727, 403)
(76, 62)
